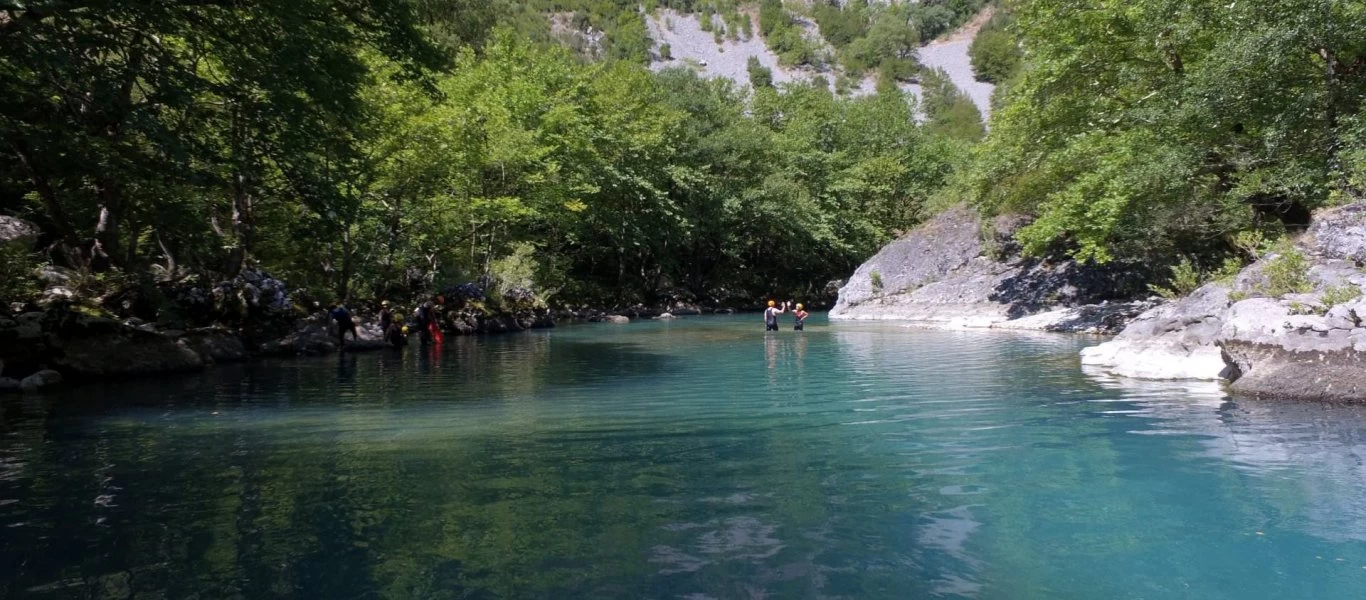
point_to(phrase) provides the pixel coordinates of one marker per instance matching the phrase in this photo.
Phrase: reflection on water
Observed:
(700, 458)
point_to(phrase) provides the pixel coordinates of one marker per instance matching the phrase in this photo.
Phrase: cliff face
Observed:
(952, 271)
(1308, 344)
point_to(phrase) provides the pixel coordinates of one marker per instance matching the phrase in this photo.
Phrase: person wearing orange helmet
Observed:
(771, 315)
(799, 318)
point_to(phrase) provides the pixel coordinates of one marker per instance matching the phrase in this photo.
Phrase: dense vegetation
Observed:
(400, 146)
(1160, 129)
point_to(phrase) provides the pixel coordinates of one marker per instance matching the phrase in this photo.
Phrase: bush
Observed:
(1286, 272)
(17, 282)
(666, 52)
(876, 279)
(995, 56)
(1340, 294)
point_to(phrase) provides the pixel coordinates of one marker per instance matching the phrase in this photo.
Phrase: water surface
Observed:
(693, 459)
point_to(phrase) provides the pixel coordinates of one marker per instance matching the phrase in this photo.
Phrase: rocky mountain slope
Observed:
(691, 46)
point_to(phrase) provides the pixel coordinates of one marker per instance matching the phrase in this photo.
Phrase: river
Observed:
(700, 458)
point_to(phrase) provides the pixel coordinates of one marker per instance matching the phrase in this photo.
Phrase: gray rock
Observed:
(56, 295)
(1340, 317)
(42, 380)
(54, 276)
(665, 317)
(126, 351)
(943, 272)
(215, 346)
(9, 385)
(610, 319)
(17, 232)
(1339, 233)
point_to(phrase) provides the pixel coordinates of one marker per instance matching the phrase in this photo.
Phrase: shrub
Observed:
(17, 282)
(995, 56)
(1286, 272)
(876, 279)
(1340, 294)
(666, 52)
(1186, 278)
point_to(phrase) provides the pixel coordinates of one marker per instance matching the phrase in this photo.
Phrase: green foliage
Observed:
(1341, 294)
(387, 151)
(1285, 272)
(759, 75)
(949, 111)
(1187, 277)
(995, 52)
(1147, 129)
(17, 283)
(875, 278)
(666, 52)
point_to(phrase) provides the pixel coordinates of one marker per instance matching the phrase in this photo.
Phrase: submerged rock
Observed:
(952, 271)
(42, 380)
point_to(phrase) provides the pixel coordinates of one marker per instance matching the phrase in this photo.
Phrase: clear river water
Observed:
(694, 459)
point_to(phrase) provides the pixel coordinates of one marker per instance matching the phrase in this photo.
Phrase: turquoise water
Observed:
(694, 459)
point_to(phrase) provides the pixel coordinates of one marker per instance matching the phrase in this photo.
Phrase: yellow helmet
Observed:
(772, 303)
(799, 307)
(405, 329)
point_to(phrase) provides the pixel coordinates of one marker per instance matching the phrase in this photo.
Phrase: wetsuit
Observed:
(386, 318)
(422, 318)
(770, 319)
(344, 324)
(800, 322)
(394, 335)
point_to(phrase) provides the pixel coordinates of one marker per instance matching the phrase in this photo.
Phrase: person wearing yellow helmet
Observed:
(771, 315)
(799, 315)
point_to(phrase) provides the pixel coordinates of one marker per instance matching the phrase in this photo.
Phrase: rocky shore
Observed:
(958, 270)
(1291, 325)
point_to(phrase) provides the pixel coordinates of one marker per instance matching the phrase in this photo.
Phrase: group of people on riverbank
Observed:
(771, 313)
(394, 329)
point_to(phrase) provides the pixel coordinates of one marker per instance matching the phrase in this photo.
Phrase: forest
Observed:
(361, 149)
(400, 146)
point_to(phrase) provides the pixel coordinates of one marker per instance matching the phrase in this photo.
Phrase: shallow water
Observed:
(694, 459)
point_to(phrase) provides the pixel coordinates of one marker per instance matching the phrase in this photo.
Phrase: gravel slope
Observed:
(691, 46)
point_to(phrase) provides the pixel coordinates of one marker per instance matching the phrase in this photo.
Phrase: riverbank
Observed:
(1290, 325)
(958, 270)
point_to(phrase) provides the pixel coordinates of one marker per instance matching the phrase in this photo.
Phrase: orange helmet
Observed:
(772, 303)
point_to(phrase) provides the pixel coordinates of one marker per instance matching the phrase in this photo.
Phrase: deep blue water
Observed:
(693, 459)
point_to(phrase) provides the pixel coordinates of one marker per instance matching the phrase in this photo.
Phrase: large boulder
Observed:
(127, 351)
(1171, 341)
(215, 346)
(951, 270)
(16, 232)
(42, 380)
(1309, 346)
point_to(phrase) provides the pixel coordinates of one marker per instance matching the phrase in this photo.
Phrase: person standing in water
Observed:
(386, 317)
(344, 324)
(799, 318)
(771, 315)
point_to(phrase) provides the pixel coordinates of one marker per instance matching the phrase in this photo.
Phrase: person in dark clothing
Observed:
(344, 324)
(771, 315)
(799, 318)
(396, 335)
(422, 320)
(386, 317)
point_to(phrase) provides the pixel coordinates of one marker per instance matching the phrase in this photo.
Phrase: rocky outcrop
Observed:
(1308, 346)
(1172, 341)
(17, 233)
(953, 271)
